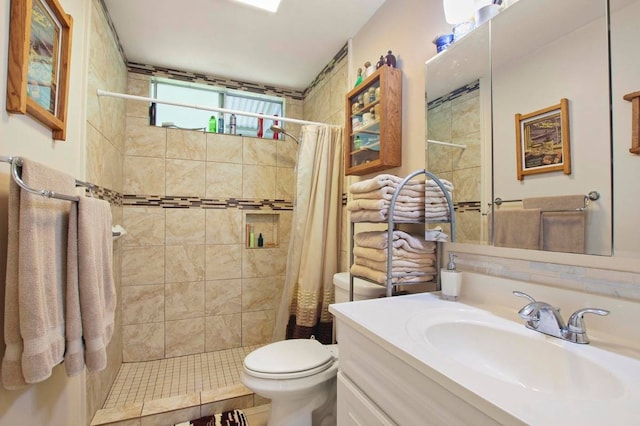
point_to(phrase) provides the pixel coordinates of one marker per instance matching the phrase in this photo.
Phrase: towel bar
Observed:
(16, 163)
(591, 196)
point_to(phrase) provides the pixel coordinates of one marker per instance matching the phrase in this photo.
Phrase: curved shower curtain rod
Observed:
(209, 108)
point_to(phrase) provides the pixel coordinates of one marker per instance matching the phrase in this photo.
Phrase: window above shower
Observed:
(212, 96)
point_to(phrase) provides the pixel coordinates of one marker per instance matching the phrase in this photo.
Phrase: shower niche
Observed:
(264, 224)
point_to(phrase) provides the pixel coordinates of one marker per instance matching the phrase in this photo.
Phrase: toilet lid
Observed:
(289, 359)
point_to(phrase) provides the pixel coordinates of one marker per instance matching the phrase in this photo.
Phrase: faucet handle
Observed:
(524, 295)
(576, 320)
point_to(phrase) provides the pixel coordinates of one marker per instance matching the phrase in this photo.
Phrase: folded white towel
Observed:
(435, 234)
(397, 266)
(381, 277)
(401, 239)
(386, 193)
(380, 255)
(385, 180)
(36, 274)
(381, 216)
(354, 205)
(432, 184)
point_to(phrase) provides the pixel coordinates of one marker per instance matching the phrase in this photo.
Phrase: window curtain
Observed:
(314, 247)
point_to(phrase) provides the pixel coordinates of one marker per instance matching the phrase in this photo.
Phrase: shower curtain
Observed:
(314, 247)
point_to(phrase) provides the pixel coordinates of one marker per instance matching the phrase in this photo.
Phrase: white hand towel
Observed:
(74, 353)
(95, 276)
(36, 277)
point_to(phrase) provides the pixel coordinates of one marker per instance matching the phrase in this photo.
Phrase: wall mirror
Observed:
(526, 60)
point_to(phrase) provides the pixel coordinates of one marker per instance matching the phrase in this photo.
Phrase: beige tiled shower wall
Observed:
(458, 121)
(325, 103)
(104, 159)
(190, 284)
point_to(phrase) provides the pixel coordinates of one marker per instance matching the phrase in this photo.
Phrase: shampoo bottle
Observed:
(212, 124)
(451, 280)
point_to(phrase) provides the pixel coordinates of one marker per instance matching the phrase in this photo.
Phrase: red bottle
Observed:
(260, 127)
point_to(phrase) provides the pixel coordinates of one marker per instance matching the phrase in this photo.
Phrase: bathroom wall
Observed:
(190, 284)
(456, 118)
(59, 400)
(105, 130)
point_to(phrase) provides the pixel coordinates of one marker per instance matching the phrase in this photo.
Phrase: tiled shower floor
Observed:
(138, 382)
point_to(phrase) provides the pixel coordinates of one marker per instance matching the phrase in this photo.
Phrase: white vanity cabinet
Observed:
(375, 387)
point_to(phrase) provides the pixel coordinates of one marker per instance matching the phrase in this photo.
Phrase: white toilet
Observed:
(299, 375)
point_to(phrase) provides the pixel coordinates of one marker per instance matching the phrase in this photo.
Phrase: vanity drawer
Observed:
(355, 409)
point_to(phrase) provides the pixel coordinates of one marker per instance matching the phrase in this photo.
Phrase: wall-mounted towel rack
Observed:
(16, 163)
(591, 196)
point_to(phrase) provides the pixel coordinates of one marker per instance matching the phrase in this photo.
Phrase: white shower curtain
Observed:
(314, 247)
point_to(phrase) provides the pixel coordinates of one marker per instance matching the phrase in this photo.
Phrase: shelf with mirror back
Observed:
(373, 137)
(527, 58)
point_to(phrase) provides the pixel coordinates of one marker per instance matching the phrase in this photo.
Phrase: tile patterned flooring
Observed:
(139, 382)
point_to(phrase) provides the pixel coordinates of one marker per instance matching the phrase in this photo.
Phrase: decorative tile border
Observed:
(177, 202)
(101, 193)
(467, 206)
(212, 80)
(337, 59)
(469, 88)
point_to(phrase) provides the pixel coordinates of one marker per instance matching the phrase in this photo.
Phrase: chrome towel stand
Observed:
(16, 163)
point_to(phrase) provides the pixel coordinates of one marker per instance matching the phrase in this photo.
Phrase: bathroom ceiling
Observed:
(228, 39)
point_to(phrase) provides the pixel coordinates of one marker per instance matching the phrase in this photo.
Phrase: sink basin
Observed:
(505, 350)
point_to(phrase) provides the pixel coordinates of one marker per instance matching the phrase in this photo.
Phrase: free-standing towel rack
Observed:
(591, 196)
(16, 163)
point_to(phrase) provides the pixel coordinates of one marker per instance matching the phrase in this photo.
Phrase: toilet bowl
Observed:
(299, 376)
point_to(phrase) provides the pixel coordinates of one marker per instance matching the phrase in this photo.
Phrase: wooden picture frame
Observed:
(542, 140)
(39, 60)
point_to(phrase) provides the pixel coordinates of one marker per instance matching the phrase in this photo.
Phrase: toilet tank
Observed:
(362, 289)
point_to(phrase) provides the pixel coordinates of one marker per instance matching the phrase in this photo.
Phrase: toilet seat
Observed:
(289, 359)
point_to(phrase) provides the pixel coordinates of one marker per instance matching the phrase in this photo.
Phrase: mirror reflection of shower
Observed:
(277, 129)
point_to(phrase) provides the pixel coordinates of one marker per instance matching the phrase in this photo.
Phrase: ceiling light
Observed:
(268, 5)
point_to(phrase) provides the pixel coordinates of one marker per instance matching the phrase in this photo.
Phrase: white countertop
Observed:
(391, 324)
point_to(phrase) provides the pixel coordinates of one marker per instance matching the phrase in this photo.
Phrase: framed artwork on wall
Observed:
(39, 60)
(542, 140)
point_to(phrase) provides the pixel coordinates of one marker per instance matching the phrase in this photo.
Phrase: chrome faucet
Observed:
(543, 317)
